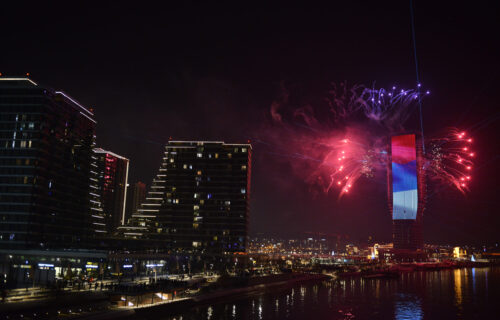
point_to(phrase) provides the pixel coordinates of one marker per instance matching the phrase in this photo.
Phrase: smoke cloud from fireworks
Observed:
(332, 145)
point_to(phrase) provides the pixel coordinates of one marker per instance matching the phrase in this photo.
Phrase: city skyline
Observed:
(220, 97)
(244, 160)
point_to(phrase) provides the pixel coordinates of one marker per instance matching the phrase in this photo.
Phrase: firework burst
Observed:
(347, 141)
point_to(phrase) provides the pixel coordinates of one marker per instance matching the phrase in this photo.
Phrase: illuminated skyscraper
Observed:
(45, 155)
(406, 191)
(109, 176)
(199, 200)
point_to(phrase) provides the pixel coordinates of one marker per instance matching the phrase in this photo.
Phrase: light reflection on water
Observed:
(210, 311)
(446, 294)
(408, 307)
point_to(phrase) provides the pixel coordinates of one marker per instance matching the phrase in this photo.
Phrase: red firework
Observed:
(451, 159)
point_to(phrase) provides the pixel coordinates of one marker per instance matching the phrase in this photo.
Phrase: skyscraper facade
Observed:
(108, 181)
(46, 142)
(199, 200)
(406, 191)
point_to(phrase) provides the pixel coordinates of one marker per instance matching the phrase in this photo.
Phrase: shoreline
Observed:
(226, 295)
(99, 305)
(395, 270)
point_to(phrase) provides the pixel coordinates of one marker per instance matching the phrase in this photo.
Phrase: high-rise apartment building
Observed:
(108, 182)
(199, 200)
(45, 160)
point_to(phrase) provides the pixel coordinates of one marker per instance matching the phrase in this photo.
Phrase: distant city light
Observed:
(154, 265)
(45, 265)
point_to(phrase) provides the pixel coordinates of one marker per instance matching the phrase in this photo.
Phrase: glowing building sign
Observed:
(404, 177)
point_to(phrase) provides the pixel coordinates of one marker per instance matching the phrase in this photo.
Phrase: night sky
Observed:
(211, 72)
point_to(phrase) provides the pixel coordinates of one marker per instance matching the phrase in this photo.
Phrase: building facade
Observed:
(46, 142)
(199, 200)
(406, 192)
(108, 181)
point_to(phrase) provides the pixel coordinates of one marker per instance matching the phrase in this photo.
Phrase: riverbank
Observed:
(253, 286)
(465, 293)
(106, 305)
(394, 270)
(64, 304)
(101, 305)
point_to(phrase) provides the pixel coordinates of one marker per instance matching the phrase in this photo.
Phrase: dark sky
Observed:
(212, 71)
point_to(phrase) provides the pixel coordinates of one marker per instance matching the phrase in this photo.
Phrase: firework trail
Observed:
(390, 107)
(334, 145)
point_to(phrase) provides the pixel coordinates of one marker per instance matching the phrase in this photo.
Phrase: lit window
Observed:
(171, 160)
(209, 196)
(196, 207)
(23, 144)
(196, 244)
(216, 156)
(185, 166)
(235, 150)
(243, 167)
(31, 125)
(199, 172)
(199, 155)
(243, 149)
(227, 203)
(29, 144)
(202, 202)
(243, 190)
(229, 155)
(196, 195)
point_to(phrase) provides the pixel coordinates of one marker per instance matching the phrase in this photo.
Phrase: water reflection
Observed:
(457, 273)
(474, 280)
(446, 294)
(408, 307)
(260, 308)
(210, 312)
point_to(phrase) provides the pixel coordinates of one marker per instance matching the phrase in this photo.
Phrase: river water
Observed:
(447, 294)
